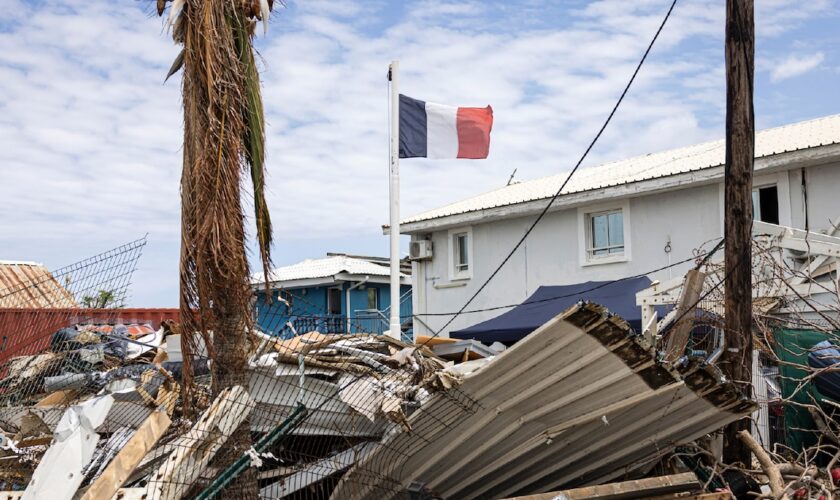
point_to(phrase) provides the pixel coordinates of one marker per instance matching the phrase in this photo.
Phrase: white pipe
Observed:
(347, 299)
(394, 77)
(721, 345)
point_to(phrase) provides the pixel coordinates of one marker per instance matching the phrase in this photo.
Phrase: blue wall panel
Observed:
(308, 310)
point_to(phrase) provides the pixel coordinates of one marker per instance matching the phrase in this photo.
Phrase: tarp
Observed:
(792, 347)
(824, 356)
(619, 297)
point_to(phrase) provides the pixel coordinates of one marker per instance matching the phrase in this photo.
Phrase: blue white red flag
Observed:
(438, 131)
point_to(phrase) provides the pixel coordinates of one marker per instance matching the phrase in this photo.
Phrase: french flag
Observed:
(438, 131)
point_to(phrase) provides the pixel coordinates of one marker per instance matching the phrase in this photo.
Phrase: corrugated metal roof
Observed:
(579, 401)
(326, 267)
(797, 136)
(31, 285)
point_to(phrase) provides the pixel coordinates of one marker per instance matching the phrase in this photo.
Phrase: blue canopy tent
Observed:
(619, 297)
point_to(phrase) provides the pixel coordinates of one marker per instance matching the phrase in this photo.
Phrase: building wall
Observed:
(311, 302)
(686, 218)
(823, 202)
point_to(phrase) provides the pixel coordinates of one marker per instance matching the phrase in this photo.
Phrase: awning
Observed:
(619, 297)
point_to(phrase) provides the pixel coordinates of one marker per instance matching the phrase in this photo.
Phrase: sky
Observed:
(90, 134)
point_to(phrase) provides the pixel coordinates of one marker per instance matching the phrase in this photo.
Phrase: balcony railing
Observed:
(362, 321)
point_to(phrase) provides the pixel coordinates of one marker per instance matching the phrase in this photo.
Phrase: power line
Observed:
(703, 260)
(577, 165)
(355, 377)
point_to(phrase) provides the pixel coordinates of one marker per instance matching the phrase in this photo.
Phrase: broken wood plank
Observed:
(61, 397)
(105, 453)
(428, 340)
(690, 295)
(639, 488)
(121, 467)
(723, 495)
(129, 494)
(168, 396)
(193, 451)
(38, 441)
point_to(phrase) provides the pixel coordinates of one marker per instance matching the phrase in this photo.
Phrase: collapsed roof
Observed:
(579, 401)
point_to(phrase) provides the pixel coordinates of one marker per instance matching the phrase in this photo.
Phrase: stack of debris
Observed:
(580, 401)
(102, 407)
(112, 378)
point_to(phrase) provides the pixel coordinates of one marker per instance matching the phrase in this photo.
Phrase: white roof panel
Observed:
(797, 136)
(326, 267)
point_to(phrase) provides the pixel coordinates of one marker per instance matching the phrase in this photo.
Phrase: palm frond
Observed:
(254, 140)
(177, 64)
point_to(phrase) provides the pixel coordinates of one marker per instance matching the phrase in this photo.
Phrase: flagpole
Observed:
(394, 198)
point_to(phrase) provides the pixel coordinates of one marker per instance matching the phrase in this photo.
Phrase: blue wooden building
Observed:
(337, 294)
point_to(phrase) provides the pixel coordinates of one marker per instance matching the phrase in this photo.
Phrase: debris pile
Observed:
(103, 408)
(796, 321)
(580, 401)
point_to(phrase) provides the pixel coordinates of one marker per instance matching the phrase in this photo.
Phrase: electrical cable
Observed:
(565, 182)
(356, 377)
(596, 287)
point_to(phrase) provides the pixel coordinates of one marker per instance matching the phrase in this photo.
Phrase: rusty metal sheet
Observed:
(31, 285)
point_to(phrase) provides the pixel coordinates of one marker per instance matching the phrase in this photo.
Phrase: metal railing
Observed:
(370, 321)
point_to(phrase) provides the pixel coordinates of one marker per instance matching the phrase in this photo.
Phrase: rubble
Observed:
(580, 401)
(114, 422)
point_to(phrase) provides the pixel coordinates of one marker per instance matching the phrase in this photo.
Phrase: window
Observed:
(460, 254)
(606, 234)
(333, 300)
(373, 298)
(462, 259)
(765, 202)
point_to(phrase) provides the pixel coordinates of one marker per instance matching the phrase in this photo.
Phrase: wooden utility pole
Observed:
(740, 152)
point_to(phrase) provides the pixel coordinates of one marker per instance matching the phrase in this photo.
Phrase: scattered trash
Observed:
(102, 408)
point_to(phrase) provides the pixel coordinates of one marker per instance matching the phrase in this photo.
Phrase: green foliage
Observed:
(101, 300)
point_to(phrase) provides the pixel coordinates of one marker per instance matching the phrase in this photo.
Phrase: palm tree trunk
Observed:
(223, 141)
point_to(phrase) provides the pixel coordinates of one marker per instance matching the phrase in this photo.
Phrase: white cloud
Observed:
(90, 137)
(774, 17)
(793, 66)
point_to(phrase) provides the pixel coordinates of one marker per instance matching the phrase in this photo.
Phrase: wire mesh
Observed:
(310, 407)
(59, 338)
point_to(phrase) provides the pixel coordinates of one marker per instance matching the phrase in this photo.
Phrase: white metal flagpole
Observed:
(394, 77)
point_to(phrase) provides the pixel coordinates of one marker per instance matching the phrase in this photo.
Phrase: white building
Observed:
(615, 220)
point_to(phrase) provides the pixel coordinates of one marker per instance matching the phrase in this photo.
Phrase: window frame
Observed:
(782, 180)
(330, 293)
(454, 273)
(585, 236)
(756, 190)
